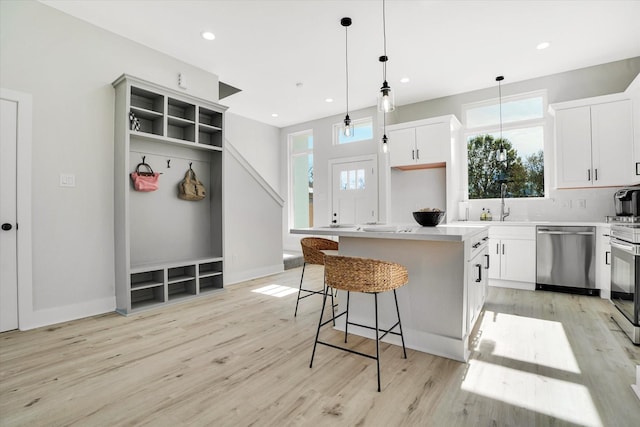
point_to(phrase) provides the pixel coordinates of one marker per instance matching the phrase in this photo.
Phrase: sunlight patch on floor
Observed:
(273, 290)
(542, 342)
(561, 399)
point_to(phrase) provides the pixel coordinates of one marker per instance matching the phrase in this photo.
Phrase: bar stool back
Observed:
(313, 252)
(354, 274)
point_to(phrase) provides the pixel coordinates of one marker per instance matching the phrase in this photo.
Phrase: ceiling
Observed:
(288, 56)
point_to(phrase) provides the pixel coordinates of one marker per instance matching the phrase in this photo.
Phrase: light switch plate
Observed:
(67, 180)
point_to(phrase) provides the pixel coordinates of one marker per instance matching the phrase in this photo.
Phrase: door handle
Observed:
(503, 249)
(607, 255)
(6, 226)
(413, 154)
(596, 173)
(588, 174)
(417, 154)
(488, 261)
(479, 279)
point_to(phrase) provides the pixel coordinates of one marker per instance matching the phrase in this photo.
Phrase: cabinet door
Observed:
(603, 262)
(494, 252)
(432, 143)
(573, 147)
(612, 143)
(402, 147)
(518, 260)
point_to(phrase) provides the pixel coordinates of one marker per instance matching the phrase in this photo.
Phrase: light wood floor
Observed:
(240, 358)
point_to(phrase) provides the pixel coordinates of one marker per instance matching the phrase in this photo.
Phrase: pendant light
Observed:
(347, 128)
(501, 153)
(385, 96)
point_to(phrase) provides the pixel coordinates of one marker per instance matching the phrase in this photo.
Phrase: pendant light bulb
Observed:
(501, 154)
(385, 98)
(347, 128)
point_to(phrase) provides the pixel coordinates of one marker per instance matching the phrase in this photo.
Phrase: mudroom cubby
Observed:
(166, 249)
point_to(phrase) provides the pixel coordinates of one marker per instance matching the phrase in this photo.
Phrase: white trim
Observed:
(254, 173)
(243, 276)
(67, 313)
(290, 154)
(23, 164)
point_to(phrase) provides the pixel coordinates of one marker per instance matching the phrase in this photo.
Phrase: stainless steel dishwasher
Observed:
(565, 259)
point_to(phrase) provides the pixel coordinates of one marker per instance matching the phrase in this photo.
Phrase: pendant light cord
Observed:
(384, 41)
(346, 61)
(500, 97)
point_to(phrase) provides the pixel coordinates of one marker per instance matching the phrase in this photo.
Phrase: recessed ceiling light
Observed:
(208, 35)
(543, 45)
(328, 100)
(274, 115)
(404, 80)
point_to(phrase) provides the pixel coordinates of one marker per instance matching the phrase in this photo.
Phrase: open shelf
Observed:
(181, 274)
(182, 289)
(211, 283)
(147, 279)
(146, 297)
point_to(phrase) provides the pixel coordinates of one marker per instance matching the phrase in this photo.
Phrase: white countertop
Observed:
(531, 223)
(448, 233)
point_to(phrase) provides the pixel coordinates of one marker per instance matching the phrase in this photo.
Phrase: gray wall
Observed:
(68, 66)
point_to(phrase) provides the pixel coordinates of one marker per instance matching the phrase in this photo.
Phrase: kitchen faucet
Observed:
(503, 214)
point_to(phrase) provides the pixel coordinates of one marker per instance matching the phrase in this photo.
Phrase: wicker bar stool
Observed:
(353, 274)
(313, 251)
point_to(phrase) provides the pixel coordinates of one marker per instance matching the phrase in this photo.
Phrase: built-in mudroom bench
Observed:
(167, 249)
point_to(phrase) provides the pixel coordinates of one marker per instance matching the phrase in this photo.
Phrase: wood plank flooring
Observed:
(240, 358)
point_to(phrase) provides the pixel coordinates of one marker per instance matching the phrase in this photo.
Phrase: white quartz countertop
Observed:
(446, 233)
(508, 223)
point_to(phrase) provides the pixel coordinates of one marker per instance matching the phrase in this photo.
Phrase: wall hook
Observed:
(190, 163)
(143, 157)
(168, 163)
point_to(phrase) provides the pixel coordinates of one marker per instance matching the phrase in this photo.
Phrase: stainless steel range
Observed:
(625, 276)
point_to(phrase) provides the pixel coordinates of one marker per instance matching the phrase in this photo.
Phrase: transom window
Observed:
(523, 129)
(362, 131)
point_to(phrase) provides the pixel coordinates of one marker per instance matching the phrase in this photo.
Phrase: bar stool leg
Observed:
(299, 289)
(375, 297)
(324, 301)
(346, 322)
(404, 350)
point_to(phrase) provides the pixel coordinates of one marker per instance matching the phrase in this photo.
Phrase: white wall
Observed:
(68, 66)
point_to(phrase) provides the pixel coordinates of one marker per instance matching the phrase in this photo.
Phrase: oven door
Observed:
(625, 279)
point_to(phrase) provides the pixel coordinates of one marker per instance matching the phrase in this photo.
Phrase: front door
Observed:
(355, 192)
(8, 216)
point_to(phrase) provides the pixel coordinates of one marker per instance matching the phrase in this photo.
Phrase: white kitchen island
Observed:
(447, 283)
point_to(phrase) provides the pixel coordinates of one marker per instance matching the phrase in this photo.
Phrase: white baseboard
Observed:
(231, 278)
(50, 316)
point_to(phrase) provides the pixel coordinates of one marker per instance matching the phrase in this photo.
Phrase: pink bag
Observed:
(145, 181)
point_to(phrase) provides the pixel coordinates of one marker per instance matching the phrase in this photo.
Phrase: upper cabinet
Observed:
(594, 142)
(421, 144)
(633, 91)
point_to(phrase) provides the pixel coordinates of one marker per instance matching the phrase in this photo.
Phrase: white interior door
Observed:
(354, 192)
(8, 216)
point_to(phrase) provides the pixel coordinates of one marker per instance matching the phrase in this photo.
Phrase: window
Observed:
(301, 178)
(353, 179)
(523, 129)
(362, 131)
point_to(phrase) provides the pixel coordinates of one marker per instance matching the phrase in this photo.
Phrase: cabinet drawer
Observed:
(526, 232)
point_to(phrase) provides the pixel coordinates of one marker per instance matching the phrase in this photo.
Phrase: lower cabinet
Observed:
(476, 285)
(513, 256)
(156, 285)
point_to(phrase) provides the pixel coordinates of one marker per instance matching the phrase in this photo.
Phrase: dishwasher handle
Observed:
(566, 233)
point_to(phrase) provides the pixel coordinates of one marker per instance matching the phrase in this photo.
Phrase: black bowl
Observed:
(428, 219)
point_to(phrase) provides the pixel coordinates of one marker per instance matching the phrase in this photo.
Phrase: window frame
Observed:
(290, 156)
(522, 124)
(337, 129)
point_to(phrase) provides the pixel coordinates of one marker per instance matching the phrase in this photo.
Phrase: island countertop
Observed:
(448, 233)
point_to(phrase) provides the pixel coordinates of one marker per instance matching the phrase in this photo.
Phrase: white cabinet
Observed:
(420, 145)
(166, 249)
(603, 261)
(593, 143)
(423, 143)
(633, 91)
(512, 252)
(477, 268)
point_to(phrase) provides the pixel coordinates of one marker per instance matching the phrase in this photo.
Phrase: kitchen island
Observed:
(447, 282)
